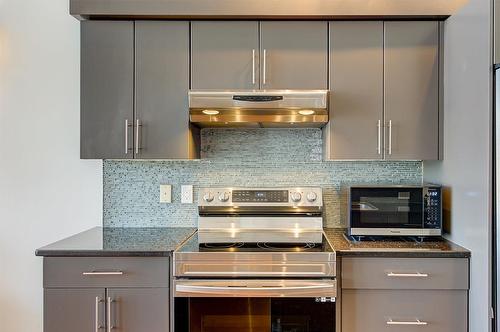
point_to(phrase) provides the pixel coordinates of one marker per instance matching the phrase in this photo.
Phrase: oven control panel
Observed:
(300, 196)
(274, 196)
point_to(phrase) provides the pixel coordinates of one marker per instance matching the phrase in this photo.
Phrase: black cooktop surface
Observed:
(200, 242)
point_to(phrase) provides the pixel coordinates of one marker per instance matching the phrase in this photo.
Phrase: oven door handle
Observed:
(274, 288)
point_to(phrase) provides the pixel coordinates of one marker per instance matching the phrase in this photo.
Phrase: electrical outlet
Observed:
(165, 193)
(187, 194)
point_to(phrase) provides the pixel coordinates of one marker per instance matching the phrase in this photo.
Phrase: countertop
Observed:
(162, 241)
(438, 248)
(129, 241)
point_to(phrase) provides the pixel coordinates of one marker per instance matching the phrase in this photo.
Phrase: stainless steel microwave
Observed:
(395, 210)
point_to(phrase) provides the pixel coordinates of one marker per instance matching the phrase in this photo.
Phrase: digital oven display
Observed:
(270, 196)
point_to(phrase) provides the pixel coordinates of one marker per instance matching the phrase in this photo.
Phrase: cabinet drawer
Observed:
(405, 273)
(404, 310)
(60, 272)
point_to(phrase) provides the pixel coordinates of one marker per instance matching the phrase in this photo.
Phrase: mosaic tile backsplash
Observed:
(240, 157)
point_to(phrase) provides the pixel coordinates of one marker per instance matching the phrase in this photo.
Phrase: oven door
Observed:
(254, 305)
(389, 208)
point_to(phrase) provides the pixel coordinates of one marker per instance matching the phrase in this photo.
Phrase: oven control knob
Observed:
(224, 197)
(311, 197)
(208, 197)
(296, 196)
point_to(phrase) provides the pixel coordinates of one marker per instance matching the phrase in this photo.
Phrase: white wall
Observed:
(466, 165)
(46, 191)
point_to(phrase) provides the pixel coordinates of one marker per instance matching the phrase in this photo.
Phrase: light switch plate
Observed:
(187, 194)
(165, 193)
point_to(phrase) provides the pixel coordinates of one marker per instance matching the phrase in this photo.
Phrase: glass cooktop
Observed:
(268, 241)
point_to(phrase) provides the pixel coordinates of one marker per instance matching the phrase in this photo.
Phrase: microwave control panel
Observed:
(432, 207)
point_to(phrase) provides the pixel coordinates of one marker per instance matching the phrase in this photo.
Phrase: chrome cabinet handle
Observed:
(390, 137)
(253, 66)
(137, 135)
(415, 322)
(103, 273)
(379, 139)
(127, 125)
(407, 275)
(108, 314)
(264, 67)
(97, 325)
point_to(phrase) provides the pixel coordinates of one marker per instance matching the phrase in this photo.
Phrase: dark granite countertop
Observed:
(438, 248)
(128, 241)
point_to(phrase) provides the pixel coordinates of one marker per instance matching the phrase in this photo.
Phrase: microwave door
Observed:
(386, 208)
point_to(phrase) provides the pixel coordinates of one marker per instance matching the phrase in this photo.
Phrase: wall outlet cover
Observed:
(187, 194)
(165, 193)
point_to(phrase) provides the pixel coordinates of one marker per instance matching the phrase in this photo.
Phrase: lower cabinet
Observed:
(404, 294)
(105, 294)
(139, 309)
(119, 309)
(75, 310)
(408, 310)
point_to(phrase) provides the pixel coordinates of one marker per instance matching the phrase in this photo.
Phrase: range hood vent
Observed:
(259, 108)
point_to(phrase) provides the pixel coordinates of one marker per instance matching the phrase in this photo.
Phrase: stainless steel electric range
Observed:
(259, 262)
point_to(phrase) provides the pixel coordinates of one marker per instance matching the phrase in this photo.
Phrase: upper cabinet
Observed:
(411, 90)
(383, 77)
(356, 82)
(134, 81)
(107, 89)
(384, 82)
(224, 55)
(162, 81)
(234, 55)
(294, 55)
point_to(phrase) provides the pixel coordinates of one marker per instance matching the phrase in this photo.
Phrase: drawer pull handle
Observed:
(416, 322)
(407, 275)
(103, 273)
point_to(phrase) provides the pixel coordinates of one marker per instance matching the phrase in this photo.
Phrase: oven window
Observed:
(386, 208)
(253, 315)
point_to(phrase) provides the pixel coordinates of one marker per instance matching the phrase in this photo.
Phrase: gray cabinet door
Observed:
(356, 90)
(161, 126)
(107, 89)
(224, 55)
(404, 310)
(75, 310)
(411, 91)
(294, 55)
(139, 309)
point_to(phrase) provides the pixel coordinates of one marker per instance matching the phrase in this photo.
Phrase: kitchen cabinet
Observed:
(356, 82)
(98, 293)
(294, 55)
(140, 309)
(76, 310)
(411, 92)
(224, 55)
(415, 293)
(135, 80)
(385, 92)
(233, 55)
(107, 89)
(388, 310)
(162, 128)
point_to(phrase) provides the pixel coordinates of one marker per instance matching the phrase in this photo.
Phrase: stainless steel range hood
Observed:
(259, 108)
